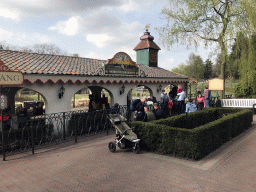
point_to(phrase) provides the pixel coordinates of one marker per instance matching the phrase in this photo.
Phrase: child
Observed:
(191, 106)
(200, 102)
(170, 105)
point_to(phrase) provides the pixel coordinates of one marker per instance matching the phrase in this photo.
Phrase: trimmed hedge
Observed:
(196, 119)
(192, 142)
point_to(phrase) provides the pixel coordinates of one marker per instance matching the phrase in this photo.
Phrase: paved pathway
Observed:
(89, 166)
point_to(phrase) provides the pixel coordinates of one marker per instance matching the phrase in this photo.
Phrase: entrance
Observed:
(91, 99)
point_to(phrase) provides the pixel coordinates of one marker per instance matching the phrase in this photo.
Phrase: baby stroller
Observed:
(125, 137)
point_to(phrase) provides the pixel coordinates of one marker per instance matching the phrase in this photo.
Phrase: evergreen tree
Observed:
(208, 69)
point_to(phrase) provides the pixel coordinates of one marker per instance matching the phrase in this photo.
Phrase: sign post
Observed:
(7, 78)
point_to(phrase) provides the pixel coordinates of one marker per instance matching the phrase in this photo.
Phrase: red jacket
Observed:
(200, 101)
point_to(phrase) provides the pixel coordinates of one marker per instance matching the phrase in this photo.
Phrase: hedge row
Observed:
(193, 143)
(196, 119)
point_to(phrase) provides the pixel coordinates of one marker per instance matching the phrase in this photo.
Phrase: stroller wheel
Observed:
(136, 148)
(112, 146)
(121, 145)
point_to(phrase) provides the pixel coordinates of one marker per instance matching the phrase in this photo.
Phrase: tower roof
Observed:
(147, 42)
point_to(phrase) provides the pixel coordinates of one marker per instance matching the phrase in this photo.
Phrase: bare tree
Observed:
(7, 46)
(48, 49)
(36, 48)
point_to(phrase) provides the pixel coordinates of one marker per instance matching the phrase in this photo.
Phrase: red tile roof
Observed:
(34, 63)
(146, 44)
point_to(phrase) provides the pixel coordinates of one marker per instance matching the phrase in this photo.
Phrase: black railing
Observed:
(31, 133)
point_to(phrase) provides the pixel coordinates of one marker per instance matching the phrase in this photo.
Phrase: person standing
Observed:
(170, 105)
(173, 92)
(158, 111)
(200, 102)
(207, 94)
(181, 102)
(164, 104)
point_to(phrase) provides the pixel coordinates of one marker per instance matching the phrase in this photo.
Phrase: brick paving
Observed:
(89, 166)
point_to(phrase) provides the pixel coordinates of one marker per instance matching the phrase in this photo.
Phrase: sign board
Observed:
(8, 77)
(3, 102)
(11, 78)
(121, 65)
(216, 84)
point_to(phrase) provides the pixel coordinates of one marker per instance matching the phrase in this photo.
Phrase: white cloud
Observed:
(9, 14)
(143, 5)
(103, 29)
(166, 62)
(123, 36)
(129, 6)
(94, 22)
(69, 27)
(22, 39)
(39, 7)
(95, 55)
(100, 40)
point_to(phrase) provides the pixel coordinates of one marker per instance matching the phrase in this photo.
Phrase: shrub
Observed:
(188, 140)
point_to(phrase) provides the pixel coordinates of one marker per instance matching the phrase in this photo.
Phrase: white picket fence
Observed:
(240, 103)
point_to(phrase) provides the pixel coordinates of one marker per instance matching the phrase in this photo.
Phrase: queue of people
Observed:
(167, 106)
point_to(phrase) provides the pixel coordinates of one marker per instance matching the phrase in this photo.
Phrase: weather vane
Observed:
(147, 27)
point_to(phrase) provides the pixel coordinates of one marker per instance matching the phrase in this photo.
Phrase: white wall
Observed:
(53, 104)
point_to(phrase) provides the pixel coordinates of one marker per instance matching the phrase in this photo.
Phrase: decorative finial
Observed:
(147, 26)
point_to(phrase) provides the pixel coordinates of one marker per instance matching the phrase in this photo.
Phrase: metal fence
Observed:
(31, 133)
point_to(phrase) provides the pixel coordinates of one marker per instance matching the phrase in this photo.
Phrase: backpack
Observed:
(133, 105)
(165, 98)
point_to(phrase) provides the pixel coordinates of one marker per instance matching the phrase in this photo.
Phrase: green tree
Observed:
(234, 59)
(190, 21)
(195, 66)
(208, 69)
(246, 87)
(181, 69)
(251, 13)
(217, 66)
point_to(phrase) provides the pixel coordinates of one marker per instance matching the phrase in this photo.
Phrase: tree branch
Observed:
(204, 38)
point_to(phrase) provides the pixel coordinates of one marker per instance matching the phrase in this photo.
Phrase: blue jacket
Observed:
(191, 107)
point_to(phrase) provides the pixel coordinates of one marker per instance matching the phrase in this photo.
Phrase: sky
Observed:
(92, 28)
